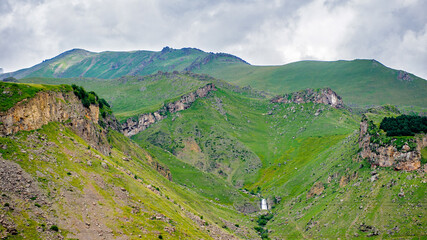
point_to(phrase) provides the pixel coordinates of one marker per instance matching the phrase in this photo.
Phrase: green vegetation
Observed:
(378, 136)
(404, 125)
(112, 194)
(54, 228)
(12, 93)
(131, 96)
(224, 153)
(360, 82)
(262, 221)
(89, 98)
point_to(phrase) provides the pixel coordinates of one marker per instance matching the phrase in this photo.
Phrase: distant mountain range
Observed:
(360, 82)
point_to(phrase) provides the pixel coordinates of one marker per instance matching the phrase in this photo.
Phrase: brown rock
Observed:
(317, 189)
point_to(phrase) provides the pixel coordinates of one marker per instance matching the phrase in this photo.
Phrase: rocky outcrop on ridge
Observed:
(324, 96)
(50, 106)
(387, 155)
(132, 127)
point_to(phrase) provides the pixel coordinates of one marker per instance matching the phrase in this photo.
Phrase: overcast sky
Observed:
(270, 32)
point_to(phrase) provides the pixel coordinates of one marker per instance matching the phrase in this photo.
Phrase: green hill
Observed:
(281, 152)
(108, 65)
(361, 82)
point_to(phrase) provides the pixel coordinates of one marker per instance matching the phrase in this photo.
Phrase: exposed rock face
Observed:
(317, 189)
(132, 127)
(404, 76)
(163, 170)
(389, 155)
(324, 96)
(50, 106)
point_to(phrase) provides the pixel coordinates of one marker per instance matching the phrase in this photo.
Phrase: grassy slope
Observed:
(245, 139)
(359, 82)
(130, 96)
(117, 197)
(295, 152)
(340, 210)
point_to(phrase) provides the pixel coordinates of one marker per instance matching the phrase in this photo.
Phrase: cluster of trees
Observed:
(404, 125)
(89, 98)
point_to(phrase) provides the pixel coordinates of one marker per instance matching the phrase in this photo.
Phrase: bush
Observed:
(54, 228)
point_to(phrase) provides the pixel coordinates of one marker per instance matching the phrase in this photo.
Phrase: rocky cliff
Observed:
(388, 155)
(132, 127)
(324, 96)
(50, 106)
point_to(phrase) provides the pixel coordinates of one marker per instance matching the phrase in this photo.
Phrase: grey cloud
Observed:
(261, 32)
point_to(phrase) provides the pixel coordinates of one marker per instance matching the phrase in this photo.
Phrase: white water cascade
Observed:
(264, 204)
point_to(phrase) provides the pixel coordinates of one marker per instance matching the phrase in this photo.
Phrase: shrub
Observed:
(54, 228)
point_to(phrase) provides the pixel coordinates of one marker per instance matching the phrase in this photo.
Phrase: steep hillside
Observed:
(359, 82)
(241, 138)
(301, 157)
(55, 185)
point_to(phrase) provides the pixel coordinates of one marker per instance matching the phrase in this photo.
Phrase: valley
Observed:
(183, 148)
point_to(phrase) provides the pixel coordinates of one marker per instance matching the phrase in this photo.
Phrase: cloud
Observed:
(261, 32)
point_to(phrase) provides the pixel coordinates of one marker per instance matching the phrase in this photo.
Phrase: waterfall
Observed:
(264, 204)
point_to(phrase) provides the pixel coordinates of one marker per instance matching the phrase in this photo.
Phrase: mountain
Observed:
(108, 65)
(361, 82)
(192, 156)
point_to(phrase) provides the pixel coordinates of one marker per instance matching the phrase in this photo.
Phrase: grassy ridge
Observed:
(359, 82)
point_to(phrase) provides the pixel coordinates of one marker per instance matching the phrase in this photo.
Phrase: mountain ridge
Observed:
(362, 83)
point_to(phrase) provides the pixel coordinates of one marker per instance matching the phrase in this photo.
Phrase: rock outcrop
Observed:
(50, 106)
(388, 155)
(323, 96)
(132, 127)
(317, 190)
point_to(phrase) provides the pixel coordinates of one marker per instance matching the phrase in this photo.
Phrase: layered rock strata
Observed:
(51, 106)
(389, 156)
(323, 96)
(132, 127)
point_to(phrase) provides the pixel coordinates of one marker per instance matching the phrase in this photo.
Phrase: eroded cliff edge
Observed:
(407, 157)
(61, 106)
(132, 127)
